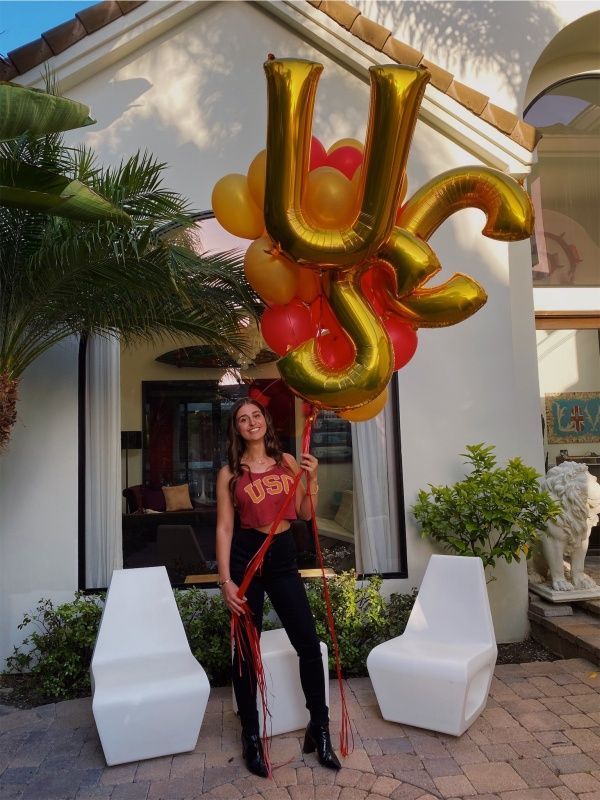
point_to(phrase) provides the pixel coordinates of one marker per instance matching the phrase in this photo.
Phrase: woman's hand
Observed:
(234, 603)
(309, 463)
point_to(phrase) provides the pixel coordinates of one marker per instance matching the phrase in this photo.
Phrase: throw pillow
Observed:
(153, 499)
(177, 498)
(134, 497)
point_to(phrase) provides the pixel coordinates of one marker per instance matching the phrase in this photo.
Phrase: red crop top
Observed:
(259, 497)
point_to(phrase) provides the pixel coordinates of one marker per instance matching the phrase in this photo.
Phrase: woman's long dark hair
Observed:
(236, 445)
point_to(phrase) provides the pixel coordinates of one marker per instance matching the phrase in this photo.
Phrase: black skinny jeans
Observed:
(279, 578)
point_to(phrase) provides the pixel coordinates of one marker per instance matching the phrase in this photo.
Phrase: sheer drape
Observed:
(103, 461)
(377, 537)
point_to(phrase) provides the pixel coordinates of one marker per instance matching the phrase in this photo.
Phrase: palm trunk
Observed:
(8, 408)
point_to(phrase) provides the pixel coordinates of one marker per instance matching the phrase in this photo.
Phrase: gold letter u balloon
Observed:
(373, 239)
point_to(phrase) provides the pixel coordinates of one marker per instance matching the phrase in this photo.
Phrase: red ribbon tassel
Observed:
(243, 629)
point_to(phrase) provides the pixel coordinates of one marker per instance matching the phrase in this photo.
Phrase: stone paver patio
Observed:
(538, 739)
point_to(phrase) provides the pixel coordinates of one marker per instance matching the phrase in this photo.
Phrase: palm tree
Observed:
(121, 275)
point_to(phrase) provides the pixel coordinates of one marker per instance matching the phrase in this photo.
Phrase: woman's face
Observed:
(250, 422)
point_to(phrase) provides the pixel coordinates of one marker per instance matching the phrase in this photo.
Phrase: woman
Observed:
(256, 483)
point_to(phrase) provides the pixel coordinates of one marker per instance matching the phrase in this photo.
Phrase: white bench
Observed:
(285, 699)
(149, 692)
(437, 675)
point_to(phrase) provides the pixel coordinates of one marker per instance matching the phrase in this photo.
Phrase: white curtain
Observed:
(103, 536)
(375, 488)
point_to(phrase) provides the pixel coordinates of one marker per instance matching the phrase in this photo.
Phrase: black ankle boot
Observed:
(317, 738)
(252, 753)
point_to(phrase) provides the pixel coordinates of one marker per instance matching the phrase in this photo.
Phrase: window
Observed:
(565, 184)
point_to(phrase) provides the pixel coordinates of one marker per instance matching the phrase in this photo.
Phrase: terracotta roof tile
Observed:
(63, 36)
(525, 135)
(30, 55)
(402, 53)
(499, 118)
(342, 13)
(370, 32)
(99, 15)
(440, 78)
(471, 99)
(8, 71)
(128, 5)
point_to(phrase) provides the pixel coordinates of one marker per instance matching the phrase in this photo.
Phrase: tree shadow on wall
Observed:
(506, 37)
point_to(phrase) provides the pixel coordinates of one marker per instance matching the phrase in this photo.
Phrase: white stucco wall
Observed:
(38, 493)
(492, 47)
(195, 97)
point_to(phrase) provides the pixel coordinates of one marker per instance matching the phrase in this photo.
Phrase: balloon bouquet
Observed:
(341, 263)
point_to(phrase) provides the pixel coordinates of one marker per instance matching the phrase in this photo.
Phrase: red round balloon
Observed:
(345, 159)
(333, 345)
(373, 283)
(336, 350)
(404, 339)
(318, 154)
(285, 327)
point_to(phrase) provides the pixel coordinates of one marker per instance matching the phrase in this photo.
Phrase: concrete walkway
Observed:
(538, 739)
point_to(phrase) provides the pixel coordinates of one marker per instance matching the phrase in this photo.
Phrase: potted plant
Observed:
(494, 513)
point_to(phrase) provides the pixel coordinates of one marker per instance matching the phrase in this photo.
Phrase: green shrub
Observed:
(493, 513)
(56, 655)
(362, 617)
(397, 613)
(206, 621)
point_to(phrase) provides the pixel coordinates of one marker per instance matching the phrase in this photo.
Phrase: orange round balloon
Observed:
(235, 209)
(368, 411)
(329, 200)
(358, 145)
(274, 277)
(257, 175)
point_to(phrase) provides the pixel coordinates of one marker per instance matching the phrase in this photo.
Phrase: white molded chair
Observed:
(149, 692)
(437, 675)
(285, 699)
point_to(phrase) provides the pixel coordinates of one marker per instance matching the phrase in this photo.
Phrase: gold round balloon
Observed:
(257, 175)
(329, 201)
(235, 209)
(396, 93)
(309, 285)
(368, 411)
(273, 276)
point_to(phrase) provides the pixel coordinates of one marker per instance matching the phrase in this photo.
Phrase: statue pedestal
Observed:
(572, 596)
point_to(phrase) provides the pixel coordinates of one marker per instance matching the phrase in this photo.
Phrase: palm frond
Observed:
(24, 110)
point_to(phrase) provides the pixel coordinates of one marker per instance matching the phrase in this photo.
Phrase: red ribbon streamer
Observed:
(243, 629)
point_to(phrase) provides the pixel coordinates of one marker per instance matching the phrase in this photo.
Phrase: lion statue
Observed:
(578, 492)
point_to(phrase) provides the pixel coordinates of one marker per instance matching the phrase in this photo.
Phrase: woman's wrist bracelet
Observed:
(221, 584)
(314, 486)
